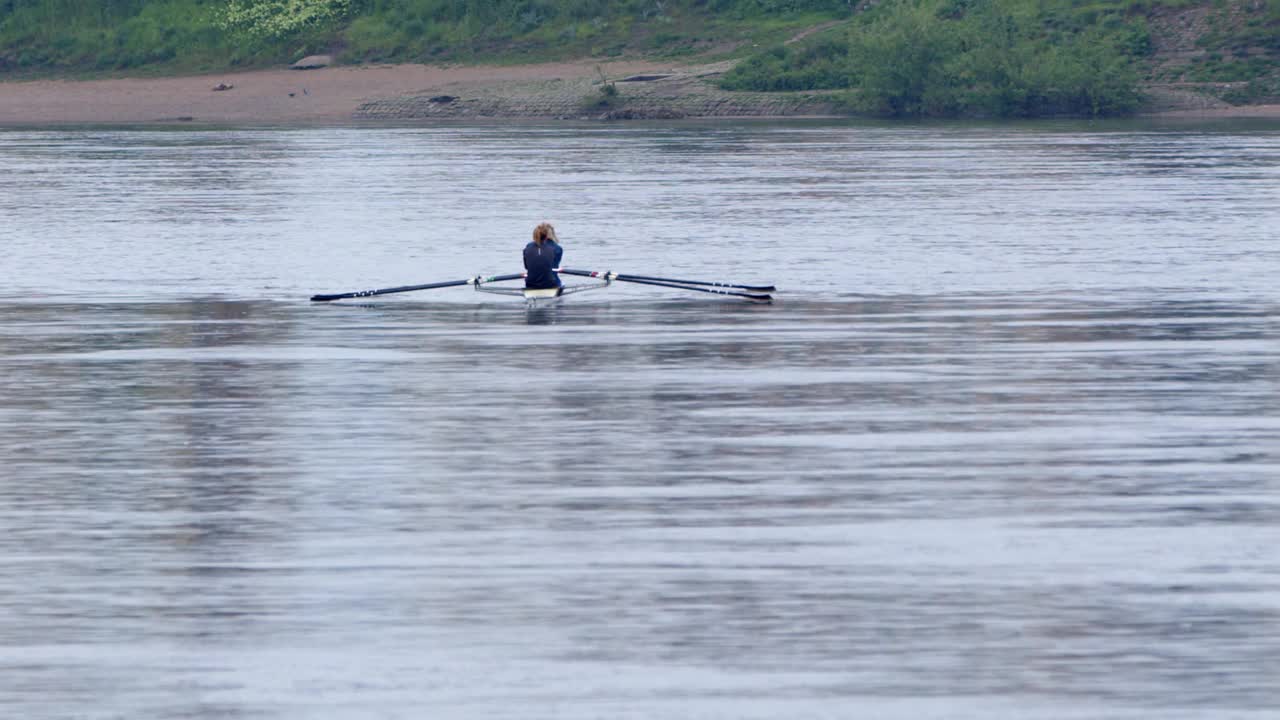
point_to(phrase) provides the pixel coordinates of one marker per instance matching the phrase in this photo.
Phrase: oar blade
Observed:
(331, 298)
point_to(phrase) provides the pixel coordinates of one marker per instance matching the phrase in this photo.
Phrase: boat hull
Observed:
(542, 297)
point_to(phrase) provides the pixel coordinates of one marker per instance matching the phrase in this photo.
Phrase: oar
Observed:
(634, 279)
(409, 288)
(615, 276)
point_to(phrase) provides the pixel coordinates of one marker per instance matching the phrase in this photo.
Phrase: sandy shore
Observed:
(1235, 111)
(348, 94)
(266, 96)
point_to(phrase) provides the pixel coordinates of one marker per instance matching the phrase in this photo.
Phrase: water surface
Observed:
(1006, 446)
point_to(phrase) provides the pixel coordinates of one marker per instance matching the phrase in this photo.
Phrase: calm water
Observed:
(1008, 446)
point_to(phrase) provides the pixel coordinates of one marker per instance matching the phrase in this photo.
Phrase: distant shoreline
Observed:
(646, 89)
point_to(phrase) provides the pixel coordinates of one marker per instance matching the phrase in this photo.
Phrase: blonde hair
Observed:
(544, 232)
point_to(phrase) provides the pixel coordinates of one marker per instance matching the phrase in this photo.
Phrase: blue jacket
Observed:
(540, 262)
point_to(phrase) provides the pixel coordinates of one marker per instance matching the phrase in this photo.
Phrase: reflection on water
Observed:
(922, 506)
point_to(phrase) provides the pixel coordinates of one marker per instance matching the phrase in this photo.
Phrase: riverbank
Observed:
(323, 95)
(641, 89)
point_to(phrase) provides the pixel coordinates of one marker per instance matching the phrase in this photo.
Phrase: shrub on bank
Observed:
(1001, 58)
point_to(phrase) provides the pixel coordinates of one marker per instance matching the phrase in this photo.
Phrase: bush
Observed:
(820, 66)
(1002, 58)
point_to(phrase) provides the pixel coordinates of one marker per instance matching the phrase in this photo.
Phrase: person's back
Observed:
(541, 258)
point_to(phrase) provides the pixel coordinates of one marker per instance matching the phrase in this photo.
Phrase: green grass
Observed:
(180, 35)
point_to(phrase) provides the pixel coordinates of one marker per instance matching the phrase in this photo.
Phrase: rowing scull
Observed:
(537, 296)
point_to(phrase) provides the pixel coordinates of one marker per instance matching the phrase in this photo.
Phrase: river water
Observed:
(1007, 446)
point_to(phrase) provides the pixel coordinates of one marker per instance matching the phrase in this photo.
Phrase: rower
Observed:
(541, 258)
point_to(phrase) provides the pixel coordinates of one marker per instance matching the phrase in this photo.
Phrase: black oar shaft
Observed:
(757, 288)
(635, 279)
(714, 291)
(411, 288)
(621, 276)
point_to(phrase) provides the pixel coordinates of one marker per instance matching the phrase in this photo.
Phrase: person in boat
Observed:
(541, 258)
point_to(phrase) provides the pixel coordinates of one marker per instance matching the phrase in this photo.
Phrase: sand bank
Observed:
(415, 92)
(324, 95)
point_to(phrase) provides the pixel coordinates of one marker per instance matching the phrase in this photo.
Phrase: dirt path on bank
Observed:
(266, 96)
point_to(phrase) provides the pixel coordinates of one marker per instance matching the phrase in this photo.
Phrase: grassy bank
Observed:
(967, 57)
(1028, 58)
(194, 35)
